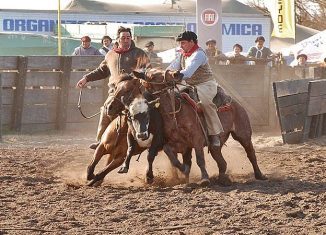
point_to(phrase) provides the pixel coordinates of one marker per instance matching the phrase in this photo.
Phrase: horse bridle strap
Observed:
(79, 106)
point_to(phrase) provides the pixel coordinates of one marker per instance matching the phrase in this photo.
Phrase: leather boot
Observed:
(214, 140)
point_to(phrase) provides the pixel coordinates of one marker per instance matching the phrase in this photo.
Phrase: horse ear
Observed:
(168, 75)
(139, 74)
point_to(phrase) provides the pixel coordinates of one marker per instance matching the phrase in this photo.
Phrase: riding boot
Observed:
(214, 140)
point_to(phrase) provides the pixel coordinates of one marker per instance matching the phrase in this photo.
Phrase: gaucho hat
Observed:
(187, 36)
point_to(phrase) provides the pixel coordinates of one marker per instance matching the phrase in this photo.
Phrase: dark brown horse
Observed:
(183, 130)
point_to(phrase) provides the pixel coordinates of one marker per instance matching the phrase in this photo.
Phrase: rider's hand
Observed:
(177, 76)
(81, 83)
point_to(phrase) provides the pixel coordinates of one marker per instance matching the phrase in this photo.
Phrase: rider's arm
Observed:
(175, 64)
(99, 73)
(199, 59)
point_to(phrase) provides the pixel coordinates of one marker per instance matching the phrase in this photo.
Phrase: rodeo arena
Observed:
(162, 117)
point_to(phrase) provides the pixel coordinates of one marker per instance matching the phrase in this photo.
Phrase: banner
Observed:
(283, 16)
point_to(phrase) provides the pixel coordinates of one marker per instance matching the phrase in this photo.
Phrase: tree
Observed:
(310, 13)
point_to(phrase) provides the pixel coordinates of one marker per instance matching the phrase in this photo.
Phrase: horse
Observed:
(144, 121)
(177, 135)
(235, 120)
(181, 123)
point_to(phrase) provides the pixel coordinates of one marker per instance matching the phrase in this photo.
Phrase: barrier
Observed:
(39, 93)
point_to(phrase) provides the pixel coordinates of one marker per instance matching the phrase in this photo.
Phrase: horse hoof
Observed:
(204, 183)
(224, 180)
(260, 177)
(149, 180)
(94, 183)
(123, 170)
(90, 176)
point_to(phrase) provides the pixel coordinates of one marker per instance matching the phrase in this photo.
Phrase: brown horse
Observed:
(180, 136)
(182, 127)
(144, 120)
(235, 120)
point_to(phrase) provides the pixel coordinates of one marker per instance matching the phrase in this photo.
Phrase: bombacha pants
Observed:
(206, 92)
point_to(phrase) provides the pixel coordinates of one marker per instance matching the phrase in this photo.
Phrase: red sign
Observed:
(209, 17)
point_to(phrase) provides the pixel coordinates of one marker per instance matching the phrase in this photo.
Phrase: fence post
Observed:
(61, 121)
(18, 104)
(0, 108)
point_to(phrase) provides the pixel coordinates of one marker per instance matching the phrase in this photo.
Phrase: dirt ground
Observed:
(42, 191)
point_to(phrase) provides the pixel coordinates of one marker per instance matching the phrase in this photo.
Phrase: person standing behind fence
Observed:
(302, 60)
(125, 58)
(106, 45)
(236, 57)
(214, 55)
(149, 50)
(260, 52)
(85, 48)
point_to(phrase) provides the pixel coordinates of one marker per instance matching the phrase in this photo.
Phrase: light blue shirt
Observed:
(192, 63)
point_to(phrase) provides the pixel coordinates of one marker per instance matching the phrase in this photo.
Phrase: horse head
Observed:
(119, 95)
(155, 80)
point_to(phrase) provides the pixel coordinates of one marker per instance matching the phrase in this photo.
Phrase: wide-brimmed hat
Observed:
(302, 55)
(260, 38)
(148, 44)
(86, 39)
(210, 41)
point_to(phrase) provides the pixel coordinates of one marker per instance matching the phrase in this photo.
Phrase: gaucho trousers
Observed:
(206, 92)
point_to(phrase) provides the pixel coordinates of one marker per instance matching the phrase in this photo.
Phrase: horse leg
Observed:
(131, 146)
(172, 155)
(149, 172)
(216, 153)
(117, 161)
(248, 146)
(186, 157)
(201, 163)
(98, 154)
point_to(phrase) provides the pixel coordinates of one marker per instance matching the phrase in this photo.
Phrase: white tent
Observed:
(314, 47)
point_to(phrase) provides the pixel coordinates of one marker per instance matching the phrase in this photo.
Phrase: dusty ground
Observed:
(42, 192)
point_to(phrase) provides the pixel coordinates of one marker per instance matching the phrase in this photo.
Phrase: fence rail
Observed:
(38, 92)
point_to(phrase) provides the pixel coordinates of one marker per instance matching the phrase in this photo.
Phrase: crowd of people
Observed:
(258, 54)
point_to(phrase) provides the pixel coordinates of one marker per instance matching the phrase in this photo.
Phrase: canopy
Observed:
(314, 47)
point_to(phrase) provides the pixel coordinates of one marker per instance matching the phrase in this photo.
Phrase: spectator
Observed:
(259, 52)
(149, 50)
(214, 55)
(106, 45)
(302, 60)
(236, 57)
(85, 48)
(126, 57)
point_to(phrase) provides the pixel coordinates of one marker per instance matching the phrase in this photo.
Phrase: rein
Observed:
(79, 106)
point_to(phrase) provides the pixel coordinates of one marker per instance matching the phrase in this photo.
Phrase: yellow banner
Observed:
(283, 16)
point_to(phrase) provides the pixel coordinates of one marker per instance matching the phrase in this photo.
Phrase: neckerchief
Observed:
(121, 50)
(192, 50)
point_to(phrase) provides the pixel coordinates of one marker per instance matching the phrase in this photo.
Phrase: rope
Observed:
(79, 107)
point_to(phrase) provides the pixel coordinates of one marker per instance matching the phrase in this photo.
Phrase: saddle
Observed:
(221, 100)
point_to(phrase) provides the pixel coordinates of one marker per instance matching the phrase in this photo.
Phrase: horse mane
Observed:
(125, 77)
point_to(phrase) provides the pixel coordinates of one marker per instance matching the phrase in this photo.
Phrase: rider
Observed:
(125, 58)
(192, 66)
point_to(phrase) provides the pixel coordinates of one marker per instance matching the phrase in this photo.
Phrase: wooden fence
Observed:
(301, 105)
(39, 94)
